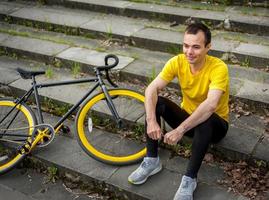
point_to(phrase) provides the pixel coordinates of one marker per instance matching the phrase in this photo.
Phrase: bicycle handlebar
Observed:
(107, 66)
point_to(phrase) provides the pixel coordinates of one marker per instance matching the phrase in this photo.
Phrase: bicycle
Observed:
(118, 109)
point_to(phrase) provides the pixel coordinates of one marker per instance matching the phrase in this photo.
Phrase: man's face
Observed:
(194, 47)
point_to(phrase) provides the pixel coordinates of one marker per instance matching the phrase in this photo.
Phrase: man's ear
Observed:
(208, 46)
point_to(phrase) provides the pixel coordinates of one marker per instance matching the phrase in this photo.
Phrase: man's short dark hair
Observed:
(194, 28)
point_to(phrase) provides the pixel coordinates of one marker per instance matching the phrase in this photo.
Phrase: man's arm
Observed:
(201, 114)
(151, 97)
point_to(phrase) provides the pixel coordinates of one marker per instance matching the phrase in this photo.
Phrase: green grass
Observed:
(49, 72)
(253, 11)
(57, 63)
(52, 173)
(246, 62)
(100, 49)
(109, 33)
(14, 32)
(174, 49)
(50, 106)
(76, 69)
(152, 75)
(139, 131)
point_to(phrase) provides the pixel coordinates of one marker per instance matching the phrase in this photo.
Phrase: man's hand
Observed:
(153, 130)
(173, 137)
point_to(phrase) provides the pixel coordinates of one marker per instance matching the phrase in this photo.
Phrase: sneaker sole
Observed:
(155, 171)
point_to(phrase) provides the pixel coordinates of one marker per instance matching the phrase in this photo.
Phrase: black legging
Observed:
(211, 130)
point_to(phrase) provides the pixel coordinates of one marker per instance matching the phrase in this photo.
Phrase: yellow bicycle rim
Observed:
(30, 120)
(89, 147)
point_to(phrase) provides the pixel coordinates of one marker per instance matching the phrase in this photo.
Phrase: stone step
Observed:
(238, 20)
(246, 138)
(142, 33)
(65, 154)
(247, 84)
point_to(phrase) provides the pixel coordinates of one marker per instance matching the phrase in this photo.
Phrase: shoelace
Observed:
(185, 188)
(185, 184)
(145, 164)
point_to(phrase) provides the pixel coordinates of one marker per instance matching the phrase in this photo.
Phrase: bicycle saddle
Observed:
(28, 74)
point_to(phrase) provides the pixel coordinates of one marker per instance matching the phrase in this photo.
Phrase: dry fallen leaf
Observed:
(209, 158)
(250, 181)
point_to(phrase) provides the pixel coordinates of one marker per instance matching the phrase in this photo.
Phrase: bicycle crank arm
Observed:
(30, 145)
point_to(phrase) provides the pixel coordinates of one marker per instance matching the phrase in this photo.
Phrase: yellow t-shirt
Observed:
(194, 88)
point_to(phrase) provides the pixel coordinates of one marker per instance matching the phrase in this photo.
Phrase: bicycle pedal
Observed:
(24, 149)
(65, 129)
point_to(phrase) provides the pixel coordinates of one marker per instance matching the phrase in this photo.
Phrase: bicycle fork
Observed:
(111, 107)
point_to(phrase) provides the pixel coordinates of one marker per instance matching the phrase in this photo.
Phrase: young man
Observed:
(202, 115)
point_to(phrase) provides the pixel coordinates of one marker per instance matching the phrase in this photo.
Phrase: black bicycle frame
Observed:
(98, 79)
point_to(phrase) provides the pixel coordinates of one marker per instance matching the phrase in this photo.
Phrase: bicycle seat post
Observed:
(40, 117)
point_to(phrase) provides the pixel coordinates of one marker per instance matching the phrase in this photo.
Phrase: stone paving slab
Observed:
(54, 16)
(43, 189)
(67, 153)
(7, 192)
(22, 185)
(246, 143)
(252, 74)
(113, 25)
(204, 192)
(214, 16)
(158, 35)
(208, 174)
(256, 25)
(115, 4)
(141, 69)
(7, 8)
(252, 123)
(235, 85)
(219, 46)
(8, 74)
(256, 50)
(151, 189)
(3, 37)
(254, 91)
(44, 48)
(261, 150)
(91, 57)
(245, 51)
(59, 192)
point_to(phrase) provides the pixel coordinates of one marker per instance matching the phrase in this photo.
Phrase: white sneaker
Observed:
(186, 188)
(147, 168)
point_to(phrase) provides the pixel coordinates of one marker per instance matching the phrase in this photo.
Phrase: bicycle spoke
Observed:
(16, 126)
